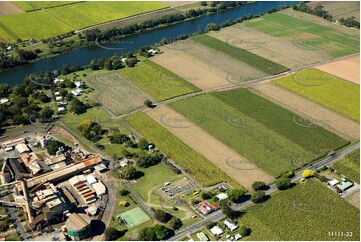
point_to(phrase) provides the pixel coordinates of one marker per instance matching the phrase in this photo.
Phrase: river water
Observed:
(83, 56)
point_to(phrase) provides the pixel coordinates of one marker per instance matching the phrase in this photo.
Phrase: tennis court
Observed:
(134, 217)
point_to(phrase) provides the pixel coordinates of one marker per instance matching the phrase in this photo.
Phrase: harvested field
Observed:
(349, 166)
(280, 50)
(177, 3)
(9, 8)
(339, 9)
(354, 199)
(117, 94)
(242, 55)
(191, 69)
(347, 69)
(232, 70)
(204, 171)
(330, 91)
(309, 32)
(157, 81)
(228, 160)
(311, 111)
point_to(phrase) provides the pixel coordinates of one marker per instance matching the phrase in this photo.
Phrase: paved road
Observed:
(218, 215)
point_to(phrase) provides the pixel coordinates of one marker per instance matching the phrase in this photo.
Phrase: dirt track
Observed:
(334, 122)
(348, 69)
(8, 8)
(228, 160)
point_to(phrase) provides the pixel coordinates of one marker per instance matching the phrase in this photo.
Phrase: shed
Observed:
(345, 185)
(202, 236)
(216, 230)
(222, 196)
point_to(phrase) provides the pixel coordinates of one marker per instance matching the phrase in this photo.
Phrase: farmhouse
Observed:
(345, 185)
(61, 109)
(216, 230)
(78, 84)
(56, 80)
(222, 196)
(333, 182)
(205, 208)
(230, 225)
(4, 100)
(59, 98)
(77, 92)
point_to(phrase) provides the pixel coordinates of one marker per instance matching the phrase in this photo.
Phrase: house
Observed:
(61, 109)
(332, 182)
(202, 236)
(57, 93)
(222, 196)
(77, 92)
(9, 48)
(124, 60)
(78, 84)
(237, 236)
(216, 230)
(205, 208)
(152, 51)
(230, 225)
(4, 100)
(56, 80)
(345, 185)
(123, 163)
(59, 98)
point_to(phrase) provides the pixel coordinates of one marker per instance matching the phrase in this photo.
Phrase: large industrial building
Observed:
(78, 226)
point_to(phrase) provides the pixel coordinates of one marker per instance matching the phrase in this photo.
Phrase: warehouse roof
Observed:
(77, 221)
(22, 148)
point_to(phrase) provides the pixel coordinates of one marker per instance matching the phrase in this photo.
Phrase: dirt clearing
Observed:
(313, 112)
(279, 50)
(228, 160)
(348, 68)
(8, 8)
(191, 69)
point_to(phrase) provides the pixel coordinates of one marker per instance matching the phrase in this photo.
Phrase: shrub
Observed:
(244, 231)
(308, 173)
(288, 174)
(175, 223)
(206, 195)
(123, 192)
(258, 185)
(283, 183)
(258, 197)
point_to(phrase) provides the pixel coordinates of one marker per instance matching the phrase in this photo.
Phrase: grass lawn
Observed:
(91, 13)
(330, 91)
(349, 166)
(157, 81)
(117, 94)
(34, 5)
(306, 212)
(154, 177)
(257, 136)
(251, 59)
(22, 26)
(13, 237)
(307, 34)
(203, 170)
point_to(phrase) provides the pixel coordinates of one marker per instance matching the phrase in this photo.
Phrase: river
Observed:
(83, 56)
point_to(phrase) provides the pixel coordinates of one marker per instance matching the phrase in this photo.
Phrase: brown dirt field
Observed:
(191, 70)
(215, 151)
(354, 199)
(348, 68)
(232, 70)
(339, 9)
(8, 8)
(322, 116)
(177, 3)
(279, 50)
(63, 133)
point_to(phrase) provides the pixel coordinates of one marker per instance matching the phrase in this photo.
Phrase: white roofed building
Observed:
(216, 230)
(99, 189)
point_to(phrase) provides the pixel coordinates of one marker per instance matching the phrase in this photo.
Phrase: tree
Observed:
(148, 103)
(206, 195)
(112, 234)
(213, 27)
(77, 106)
(258, 197)
(244, 231)
(53, 146)
(143, 144)
(236, 195)
(288, 174)
(123, 192)
(162, 216)
(283, 183)
(308, 173)
(118, 138)
(46, 114)
(63, 92)
(131, 62)
(129, 172)
(175, 223)
(258, 185)
(229, 212)
(43, 97)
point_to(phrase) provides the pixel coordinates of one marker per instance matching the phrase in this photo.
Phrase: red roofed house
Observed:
(206, 208)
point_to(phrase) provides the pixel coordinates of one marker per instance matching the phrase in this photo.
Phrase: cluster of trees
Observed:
(91, 130)
(164, 217)
(113, 62)
(283, 183)
(154, 233)
(147, 160)
(321, 12)
(53, 146)
(21, 57)
(118, 138)
(236, 195)
(77, 106)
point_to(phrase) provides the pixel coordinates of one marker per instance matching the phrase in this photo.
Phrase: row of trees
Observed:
(321, 12)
